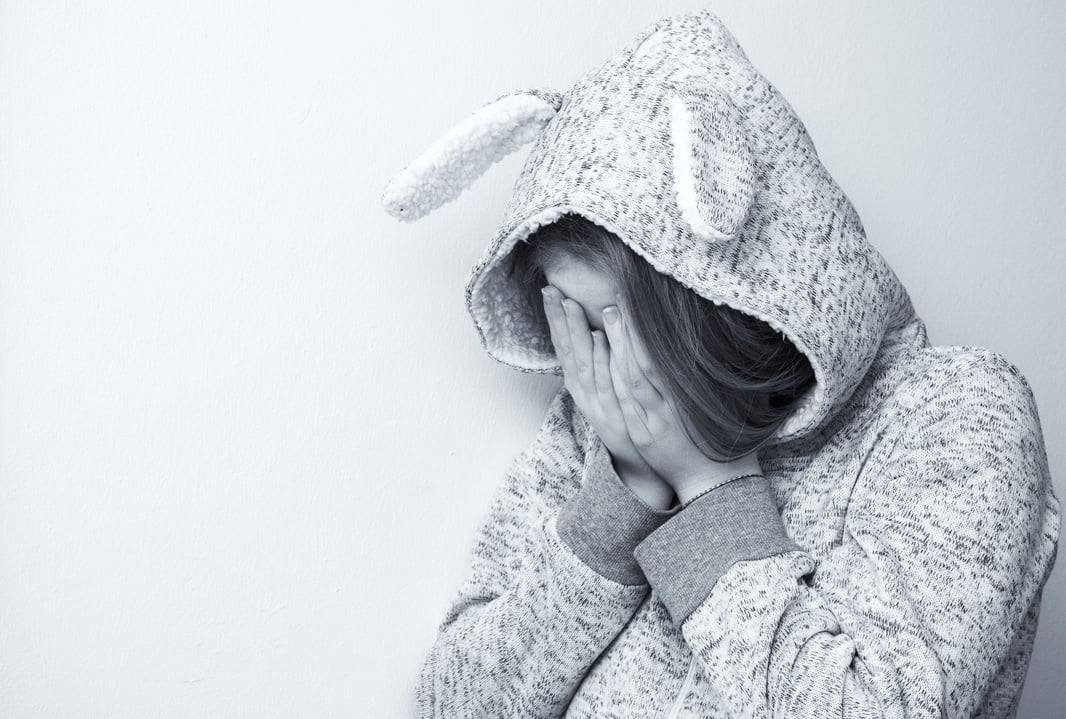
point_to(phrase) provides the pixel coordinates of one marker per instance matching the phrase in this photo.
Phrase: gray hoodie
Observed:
(890, 563)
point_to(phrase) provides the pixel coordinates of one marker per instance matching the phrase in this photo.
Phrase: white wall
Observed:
(246, 425)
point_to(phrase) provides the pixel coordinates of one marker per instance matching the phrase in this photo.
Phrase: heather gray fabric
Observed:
(605, 520)
(800, 262)
(892, 560)
(684, 560)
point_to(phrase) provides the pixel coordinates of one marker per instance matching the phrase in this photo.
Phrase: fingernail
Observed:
(610, 314)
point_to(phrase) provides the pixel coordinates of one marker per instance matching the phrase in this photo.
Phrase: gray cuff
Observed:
(605, 520)
(684, 557)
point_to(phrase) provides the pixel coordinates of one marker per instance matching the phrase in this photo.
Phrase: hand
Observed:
(585, 358)
(651, 414)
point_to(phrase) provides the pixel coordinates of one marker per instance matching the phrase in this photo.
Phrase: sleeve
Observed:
(947, 543)
(553, 581)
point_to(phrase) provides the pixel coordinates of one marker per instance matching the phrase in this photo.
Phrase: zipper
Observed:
(685, 686)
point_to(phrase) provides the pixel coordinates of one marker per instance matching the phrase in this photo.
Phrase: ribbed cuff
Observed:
(605, 520)
(685, 556)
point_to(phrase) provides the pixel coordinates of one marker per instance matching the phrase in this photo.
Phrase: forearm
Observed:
(524, 651)
(518, 642)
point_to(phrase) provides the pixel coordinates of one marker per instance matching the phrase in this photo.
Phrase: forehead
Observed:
(587, 285)
(574, 270)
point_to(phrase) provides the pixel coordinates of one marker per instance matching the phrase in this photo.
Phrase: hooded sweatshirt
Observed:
(891, 561)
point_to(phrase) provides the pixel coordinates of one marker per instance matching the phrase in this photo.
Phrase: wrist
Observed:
(658, 495)
(691, 490)
(648, 487)
(714, 475)
(687, 498)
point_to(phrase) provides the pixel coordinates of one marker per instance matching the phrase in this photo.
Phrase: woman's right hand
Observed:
(585, 356)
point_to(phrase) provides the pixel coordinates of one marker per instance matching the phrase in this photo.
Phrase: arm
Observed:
(551, 585)
(947, 543)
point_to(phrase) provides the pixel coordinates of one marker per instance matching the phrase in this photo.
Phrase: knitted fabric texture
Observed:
(891, 560)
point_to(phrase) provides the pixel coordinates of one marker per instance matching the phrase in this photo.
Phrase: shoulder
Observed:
(963, 378)
(963, 437)
(550, 468)
(564, 429)
(963, 407)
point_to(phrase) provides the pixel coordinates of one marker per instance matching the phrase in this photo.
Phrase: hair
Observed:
(733, 376)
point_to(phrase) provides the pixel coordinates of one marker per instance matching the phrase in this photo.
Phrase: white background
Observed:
(246, 425)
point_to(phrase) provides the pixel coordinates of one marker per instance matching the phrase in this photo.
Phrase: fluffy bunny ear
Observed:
(464, 153)
(714, 168)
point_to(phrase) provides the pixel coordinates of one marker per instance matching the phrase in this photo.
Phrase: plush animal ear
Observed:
(464, 153)
(714, 168)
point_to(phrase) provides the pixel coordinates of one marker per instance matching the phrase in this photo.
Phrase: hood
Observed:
(682, 149)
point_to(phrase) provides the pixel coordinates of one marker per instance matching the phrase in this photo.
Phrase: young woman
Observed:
(733, 374)
(760, 491)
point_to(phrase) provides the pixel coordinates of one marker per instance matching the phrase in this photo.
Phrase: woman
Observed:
(784, 502)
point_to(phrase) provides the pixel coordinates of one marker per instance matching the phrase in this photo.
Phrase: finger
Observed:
(643, 391)
(609, 403)
(601, 370)
(620, 382)
(560, 333)
(639, 352)
(638, 428)
(580, 340)
(630, 385)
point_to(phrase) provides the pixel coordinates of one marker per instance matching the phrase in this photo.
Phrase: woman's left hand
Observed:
(650, 412)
